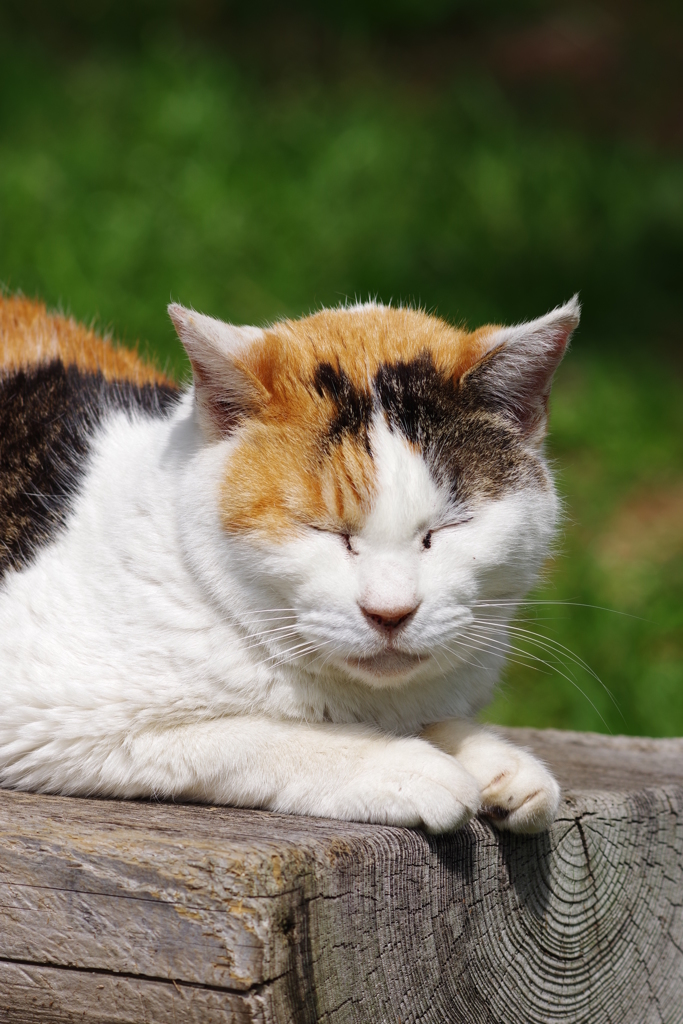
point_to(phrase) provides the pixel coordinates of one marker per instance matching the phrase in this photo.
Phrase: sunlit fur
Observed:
(280, 473)
(202, 626)
(29, 335)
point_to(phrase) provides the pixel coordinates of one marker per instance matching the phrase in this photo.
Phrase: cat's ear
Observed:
(225, 390)
(515, 372)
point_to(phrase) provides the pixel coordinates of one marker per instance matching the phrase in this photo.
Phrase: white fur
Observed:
(146, 651)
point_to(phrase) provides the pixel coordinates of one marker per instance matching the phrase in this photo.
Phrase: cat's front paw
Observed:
(521, 795)
(435, 793)
(518, 793)
(408, 783)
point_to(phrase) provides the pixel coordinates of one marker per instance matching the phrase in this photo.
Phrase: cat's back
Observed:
(58, 382)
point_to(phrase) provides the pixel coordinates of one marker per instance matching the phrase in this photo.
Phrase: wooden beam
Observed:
(144, 912)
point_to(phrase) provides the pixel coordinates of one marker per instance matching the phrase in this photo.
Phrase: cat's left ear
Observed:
(225, 390)
(514, 374)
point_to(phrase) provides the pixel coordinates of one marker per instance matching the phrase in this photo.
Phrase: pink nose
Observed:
(388, 620)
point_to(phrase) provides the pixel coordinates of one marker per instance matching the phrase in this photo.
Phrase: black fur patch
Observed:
(475, 449)
(48, 415)
(469, 441)
(353, 407)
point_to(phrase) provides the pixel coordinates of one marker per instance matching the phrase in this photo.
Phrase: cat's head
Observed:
(382, 477)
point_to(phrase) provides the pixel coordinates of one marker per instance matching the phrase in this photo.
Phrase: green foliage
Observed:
(127, 180)
(168, 171)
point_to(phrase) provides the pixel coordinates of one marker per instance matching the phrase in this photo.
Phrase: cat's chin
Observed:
(387, 667)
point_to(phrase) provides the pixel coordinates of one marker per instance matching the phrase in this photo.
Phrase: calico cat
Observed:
(286, 586)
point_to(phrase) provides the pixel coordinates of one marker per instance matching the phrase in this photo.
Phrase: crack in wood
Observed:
(160, 979)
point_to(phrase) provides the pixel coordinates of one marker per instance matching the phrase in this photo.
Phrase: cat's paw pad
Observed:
(522, 795)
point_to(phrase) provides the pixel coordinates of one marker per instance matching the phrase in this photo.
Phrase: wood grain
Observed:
(618, 764)
(113, 911)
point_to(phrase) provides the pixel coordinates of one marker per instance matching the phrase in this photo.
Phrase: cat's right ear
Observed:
(514, 372)
(225, 390)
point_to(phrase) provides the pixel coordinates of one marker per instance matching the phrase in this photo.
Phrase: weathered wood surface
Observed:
(138, 912)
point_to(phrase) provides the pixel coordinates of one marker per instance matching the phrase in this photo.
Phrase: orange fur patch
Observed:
(283, 473)
(30, 335)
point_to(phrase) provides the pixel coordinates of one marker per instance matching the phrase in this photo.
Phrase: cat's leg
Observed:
(338, 771)
(517, 791)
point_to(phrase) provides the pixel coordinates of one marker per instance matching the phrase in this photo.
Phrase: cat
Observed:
(285, 586)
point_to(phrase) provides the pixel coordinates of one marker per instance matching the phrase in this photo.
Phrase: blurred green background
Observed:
(483, 159)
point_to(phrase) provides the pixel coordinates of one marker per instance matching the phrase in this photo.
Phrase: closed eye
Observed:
(345, 538)
(427, 539)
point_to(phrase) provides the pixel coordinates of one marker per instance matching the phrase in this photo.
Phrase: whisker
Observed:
(274, 618)
(255, 639)
(516, 603)
(553, 647)
(503, 655)
(535, 637)
(552, 667)
(277, 629)
(251, 647)
(329, 653)
(289, 650)
(438, 662)
(266, 611)
(501, 650)
(310, 649)
(465, 661)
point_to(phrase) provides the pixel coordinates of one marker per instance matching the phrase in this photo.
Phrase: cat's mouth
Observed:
(389, 662)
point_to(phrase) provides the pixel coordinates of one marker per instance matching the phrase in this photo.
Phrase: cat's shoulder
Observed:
(30, 337)
(59, 381)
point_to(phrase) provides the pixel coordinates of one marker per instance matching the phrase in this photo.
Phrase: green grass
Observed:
(131, 177)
